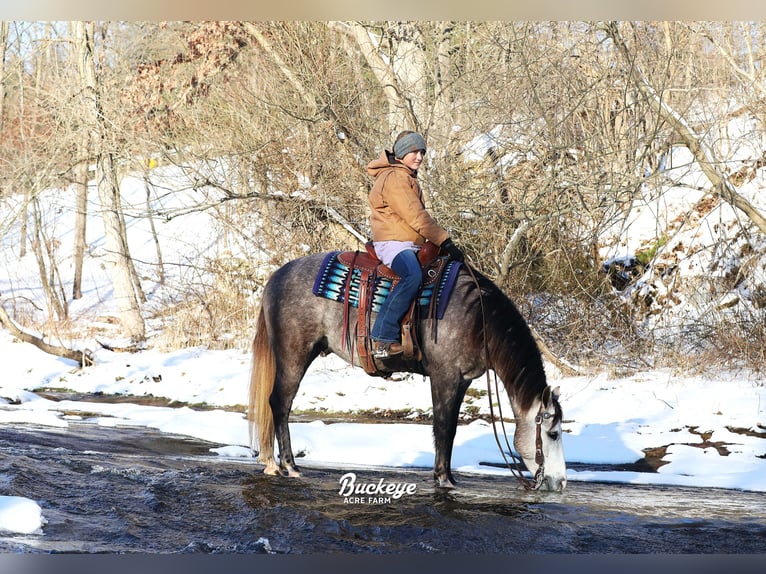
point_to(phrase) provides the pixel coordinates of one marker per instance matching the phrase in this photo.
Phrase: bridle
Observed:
(515, 465)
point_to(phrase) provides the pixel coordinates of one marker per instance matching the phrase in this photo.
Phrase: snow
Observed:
(713, 425)
(607, 420)
(19, 514)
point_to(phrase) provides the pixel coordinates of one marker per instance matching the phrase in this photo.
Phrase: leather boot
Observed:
(384, 350)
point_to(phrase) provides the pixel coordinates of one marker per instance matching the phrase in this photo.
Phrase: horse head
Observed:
(538, 441)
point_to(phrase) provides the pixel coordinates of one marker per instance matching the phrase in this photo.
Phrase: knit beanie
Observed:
(411, 142)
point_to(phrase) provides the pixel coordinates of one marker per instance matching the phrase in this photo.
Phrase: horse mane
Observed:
(513, 351)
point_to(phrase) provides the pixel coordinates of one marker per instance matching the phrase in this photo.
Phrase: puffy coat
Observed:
(396, 201)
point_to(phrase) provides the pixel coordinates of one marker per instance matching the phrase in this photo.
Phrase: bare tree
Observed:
(108, 188)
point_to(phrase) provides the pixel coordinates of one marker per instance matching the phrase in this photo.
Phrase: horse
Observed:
(481, 329)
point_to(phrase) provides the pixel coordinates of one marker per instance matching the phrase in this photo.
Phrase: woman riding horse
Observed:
(400, 225)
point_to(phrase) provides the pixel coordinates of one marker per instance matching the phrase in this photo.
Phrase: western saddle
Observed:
(370, 268)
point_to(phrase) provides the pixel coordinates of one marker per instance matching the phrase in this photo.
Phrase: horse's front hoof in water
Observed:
(292, 472)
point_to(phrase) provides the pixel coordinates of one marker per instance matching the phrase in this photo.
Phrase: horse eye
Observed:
(554, 435)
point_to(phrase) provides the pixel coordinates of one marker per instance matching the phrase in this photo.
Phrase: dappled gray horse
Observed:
(481, 329)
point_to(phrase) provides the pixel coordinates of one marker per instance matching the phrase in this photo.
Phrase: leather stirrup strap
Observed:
(345, 339)
(363, 325)
(408, 347)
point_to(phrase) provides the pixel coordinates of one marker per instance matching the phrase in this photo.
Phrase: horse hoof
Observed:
(445, 483)
(272, 470)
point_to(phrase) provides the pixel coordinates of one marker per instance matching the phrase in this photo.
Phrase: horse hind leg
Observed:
(289, 375)
(272, 468)
(266, 389)
(286, 465)
(280, 402)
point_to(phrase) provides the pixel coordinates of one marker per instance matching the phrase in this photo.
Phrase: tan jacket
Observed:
(396, 201)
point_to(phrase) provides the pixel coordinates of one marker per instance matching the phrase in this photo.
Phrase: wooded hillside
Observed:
(545, 138)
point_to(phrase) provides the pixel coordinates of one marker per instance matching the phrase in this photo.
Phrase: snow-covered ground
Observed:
(713, 425)
(606, 420)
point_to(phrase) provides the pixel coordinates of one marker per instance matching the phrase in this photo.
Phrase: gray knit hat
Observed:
(411, 142)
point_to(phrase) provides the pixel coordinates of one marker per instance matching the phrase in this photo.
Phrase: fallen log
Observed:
(83, 358)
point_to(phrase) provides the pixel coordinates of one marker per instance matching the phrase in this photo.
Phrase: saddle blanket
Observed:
(333, 274)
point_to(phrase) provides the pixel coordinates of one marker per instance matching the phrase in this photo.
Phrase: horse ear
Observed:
(550, 394)
(546, 398)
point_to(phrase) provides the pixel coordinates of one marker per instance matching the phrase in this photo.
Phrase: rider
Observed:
(400, 225)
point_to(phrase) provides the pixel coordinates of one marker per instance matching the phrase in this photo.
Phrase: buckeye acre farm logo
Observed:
(381, 492)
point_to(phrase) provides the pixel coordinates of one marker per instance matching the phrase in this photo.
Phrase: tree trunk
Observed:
(116, 246)
(150, 217)
(50, 279)
(26, 185)
(24, 233)
(108, 192)
(410, 68)
(81, 213)
(3, 47)
(135, 278)
(442, 120)
(400, 113)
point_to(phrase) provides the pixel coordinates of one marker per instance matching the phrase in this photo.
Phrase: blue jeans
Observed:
(387, 327)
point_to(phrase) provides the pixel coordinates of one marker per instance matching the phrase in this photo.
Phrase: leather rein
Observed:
(515, 464)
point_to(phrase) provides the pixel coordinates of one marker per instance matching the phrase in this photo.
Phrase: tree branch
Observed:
(518, 234)
(566, 369)
(230, 195)
(382, 71)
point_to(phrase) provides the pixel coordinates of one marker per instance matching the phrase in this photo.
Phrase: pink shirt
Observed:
(388, 250)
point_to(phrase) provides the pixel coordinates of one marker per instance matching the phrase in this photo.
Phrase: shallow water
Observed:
(137, 490)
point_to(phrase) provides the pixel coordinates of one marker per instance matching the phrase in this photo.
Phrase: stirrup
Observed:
(383, 350)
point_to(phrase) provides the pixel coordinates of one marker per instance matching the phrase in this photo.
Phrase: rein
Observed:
(515, 465)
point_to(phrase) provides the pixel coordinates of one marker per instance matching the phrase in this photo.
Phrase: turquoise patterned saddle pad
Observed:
(332, 282)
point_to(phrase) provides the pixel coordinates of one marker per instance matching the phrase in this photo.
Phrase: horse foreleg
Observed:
(446, 408)
(443, 441)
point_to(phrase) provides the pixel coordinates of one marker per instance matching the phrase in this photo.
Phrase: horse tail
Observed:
(262, 376)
